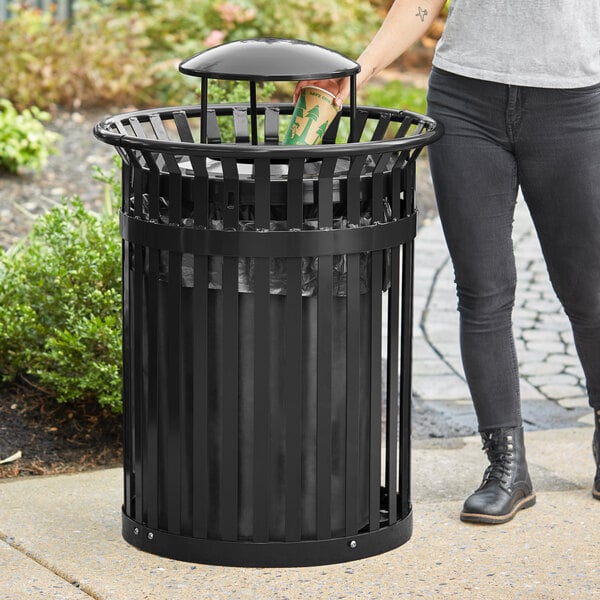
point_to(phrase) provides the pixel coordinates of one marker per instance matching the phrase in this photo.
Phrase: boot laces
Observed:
(500, 454)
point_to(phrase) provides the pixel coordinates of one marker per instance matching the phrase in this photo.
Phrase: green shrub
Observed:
(179, 29)
(176, 30)
(342, 25)
(24, 141)
(95, 62)
(398, 95)
(123, 52)
(60, 307)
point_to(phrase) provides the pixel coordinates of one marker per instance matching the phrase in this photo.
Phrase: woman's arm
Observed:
(404, 24)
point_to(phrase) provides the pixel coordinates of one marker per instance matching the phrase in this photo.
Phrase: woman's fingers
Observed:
(340, 88)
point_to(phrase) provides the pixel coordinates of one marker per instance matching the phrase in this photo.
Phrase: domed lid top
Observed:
(269, 59)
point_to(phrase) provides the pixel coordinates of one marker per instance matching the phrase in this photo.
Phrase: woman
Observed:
(517, 87)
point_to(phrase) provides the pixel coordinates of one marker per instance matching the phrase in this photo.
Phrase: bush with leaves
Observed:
(124, 52)
(175, 31)
(24, 141)
(189, 26)
(94, 62)
(60, 307)
(397, 95)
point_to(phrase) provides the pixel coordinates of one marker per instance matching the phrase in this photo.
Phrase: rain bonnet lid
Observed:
(269, 59)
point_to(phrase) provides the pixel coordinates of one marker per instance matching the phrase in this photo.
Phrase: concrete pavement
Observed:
(61, 539)
(60, 536)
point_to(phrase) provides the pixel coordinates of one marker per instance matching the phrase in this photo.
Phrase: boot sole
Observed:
(596, 493)
(498, 519)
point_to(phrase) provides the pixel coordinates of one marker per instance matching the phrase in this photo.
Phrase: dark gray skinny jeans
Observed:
(547, 141)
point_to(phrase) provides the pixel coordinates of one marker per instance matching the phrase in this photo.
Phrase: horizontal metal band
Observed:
(268, 244)
(267, 554)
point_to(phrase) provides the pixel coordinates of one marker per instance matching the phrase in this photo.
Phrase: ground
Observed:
(55, 438)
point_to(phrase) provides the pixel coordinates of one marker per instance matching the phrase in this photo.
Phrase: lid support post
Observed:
(352, 107)
(253, 116)
(204, 111)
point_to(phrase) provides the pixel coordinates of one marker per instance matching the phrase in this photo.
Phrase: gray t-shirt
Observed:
(537, 43)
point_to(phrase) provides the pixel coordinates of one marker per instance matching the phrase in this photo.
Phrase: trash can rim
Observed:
(248, 151)
(251, 151)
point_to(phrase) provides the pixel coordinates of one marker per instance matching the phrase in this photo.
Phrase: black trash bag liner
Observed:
(278, 271)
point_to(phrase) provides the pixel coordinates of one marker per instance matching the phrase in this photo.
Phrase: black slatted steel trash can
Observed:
(267, 320)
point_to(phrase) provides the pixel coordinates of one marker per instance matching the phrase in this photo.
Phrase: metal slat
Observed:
(183, 127)
(403, 182)
(151, 481)
(136, 292)
(324, 357)
(197, 441)
(229, 492)
(332, 130)
(240, 125)
(360, 123)
(128, 406)
(293, 363)
(382, 127)
(375, 434)
(262, 434)
(408, 154)
(392, 368)
(271, 125)
(146, 336)
(170, 162)
(176, 416)
(212, 127)
(200, 359)
(137, 128)
(353, 351)
(200, 418)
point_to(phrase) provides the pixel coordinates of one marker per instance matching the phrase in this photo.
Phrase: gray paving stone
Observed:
(547, 347)
(541, 335)
(565, 359)
(557, 391)
(430, 367)
(530, 392)
(576, 402)
(540, 368)
(438, 387)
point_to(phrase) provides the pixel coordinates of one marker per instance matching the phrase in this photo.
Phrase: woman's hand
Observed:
(340, 88)
(399, 30)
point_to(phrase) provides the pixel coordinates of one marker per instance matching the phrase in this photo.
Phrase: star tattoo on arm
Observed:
(422, 13)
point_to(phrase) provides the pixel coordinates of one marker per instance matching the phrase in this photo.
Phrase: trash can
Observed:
(267, 315)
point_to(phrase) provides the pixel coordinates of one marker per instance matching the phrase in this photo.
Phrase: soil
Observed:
(53, 438)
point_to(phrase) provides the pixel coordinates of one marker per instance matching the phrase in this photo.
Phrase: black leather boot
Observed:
(506, 487)
(596, 448)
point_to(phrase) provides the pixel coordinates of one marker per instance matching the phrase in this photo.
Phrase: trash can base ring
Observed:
(269, 554)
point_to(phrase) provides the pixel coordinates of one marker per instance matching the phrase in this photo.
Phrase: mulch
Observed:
(53, 438)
